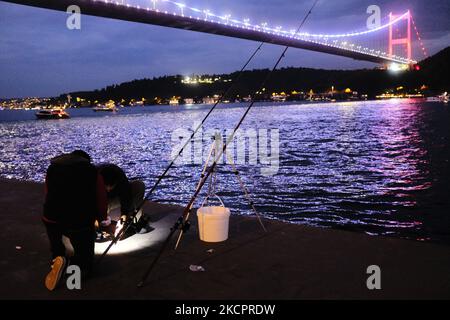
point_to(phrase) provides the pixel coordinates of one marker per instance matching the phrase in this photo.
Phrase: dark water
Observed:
(376, 167)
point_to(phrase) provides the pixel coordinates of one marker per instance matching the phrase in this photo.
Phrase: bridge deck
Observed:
(120, 12)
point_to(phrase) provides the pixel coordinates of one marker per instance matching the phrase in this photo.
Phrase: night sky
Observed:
(39, 56)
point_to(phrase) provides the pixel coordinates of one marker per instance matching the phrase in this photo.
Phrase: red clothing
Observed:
(102, 199)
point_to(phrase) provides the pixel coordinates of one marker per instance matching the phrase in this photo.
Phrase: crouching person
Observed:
(75, 199)
(126, 196)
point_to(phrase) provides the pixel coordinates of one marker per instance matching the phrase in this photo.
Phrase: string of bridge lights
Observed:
(209, 16)
(424, 51)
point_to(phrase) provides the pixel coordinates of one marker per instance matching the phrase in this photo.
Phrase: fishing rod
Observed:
(229, 89)
(181, 222)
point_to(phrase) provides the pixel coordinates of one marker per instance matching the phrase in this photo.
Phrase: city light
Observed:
(395, 67)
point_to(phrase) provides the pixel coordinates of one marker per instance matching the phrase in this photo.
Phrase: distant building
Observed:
(174, 101)
(209, 100)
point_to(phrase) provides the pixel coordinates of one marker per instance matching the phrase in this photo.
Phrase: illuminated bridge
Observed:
(390, 43)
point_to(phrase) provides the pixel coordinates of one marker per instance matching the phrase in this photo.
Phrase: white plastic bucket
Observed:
(213, 223)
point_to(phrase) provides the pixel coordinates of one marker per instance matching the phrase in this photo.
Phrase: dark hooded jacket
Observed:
(75, 193)
(114, 176)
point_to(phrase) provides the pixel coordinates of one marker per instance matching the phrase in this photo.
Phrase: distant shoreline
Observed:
(268, 102)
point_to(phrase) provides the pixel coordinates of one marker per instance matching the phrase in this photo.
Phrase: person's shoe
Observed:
(146, 229)
(53, 277)
(143, 225)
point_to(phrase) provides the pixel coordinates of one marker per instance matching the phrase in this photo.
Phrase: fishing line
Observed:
(181, 222)
(161, 177)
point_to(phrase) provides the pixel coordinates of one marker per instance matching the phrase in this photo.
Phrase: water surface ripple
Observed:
(376, 167)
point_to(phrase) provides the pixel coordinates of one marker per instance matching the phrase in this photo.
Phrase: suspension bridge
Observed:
(390, 44)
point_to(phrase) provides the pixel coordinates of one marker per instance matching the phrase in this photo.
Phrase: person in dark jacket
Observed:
(126, 195)
(75, 198)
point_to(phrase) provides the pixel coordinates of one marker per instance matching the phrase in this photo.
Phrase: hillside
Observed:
(433, 73)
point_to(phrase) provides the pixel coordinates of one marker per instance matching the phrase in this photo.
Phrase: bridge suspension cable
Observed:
(246, 23)
(185, 17)
(419, 38)
(207, 15)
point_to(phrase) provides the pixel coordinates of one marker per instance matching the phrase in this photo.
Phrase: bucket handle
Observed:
(206, 200)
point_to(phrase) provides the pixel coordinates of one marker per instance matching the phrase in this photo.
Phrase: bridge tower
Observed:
(400, 41)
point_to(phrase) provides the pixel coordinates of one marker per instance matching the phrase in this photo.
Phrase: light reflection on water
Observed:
(377, 167)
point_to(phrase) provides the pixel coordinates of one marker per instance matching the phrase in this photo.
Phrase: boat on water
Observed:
(442, 98)
(278, 98)
(104, 107)
(52, 114)
(137, 103)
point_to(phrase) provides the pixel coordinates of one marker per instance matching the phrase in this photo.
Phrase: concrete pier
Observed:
(288, 262)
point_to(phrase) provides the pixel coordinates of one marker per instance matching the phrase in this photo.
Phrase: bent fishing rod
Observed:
(181, 222)
(171, 164)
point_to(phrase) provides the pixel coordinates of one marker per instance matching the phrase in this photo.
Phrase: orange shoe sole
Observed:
(53, 277)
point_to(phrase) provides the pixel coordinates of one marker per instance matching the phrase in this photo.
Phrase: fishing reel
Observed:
(182, 225)
(126, 226)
